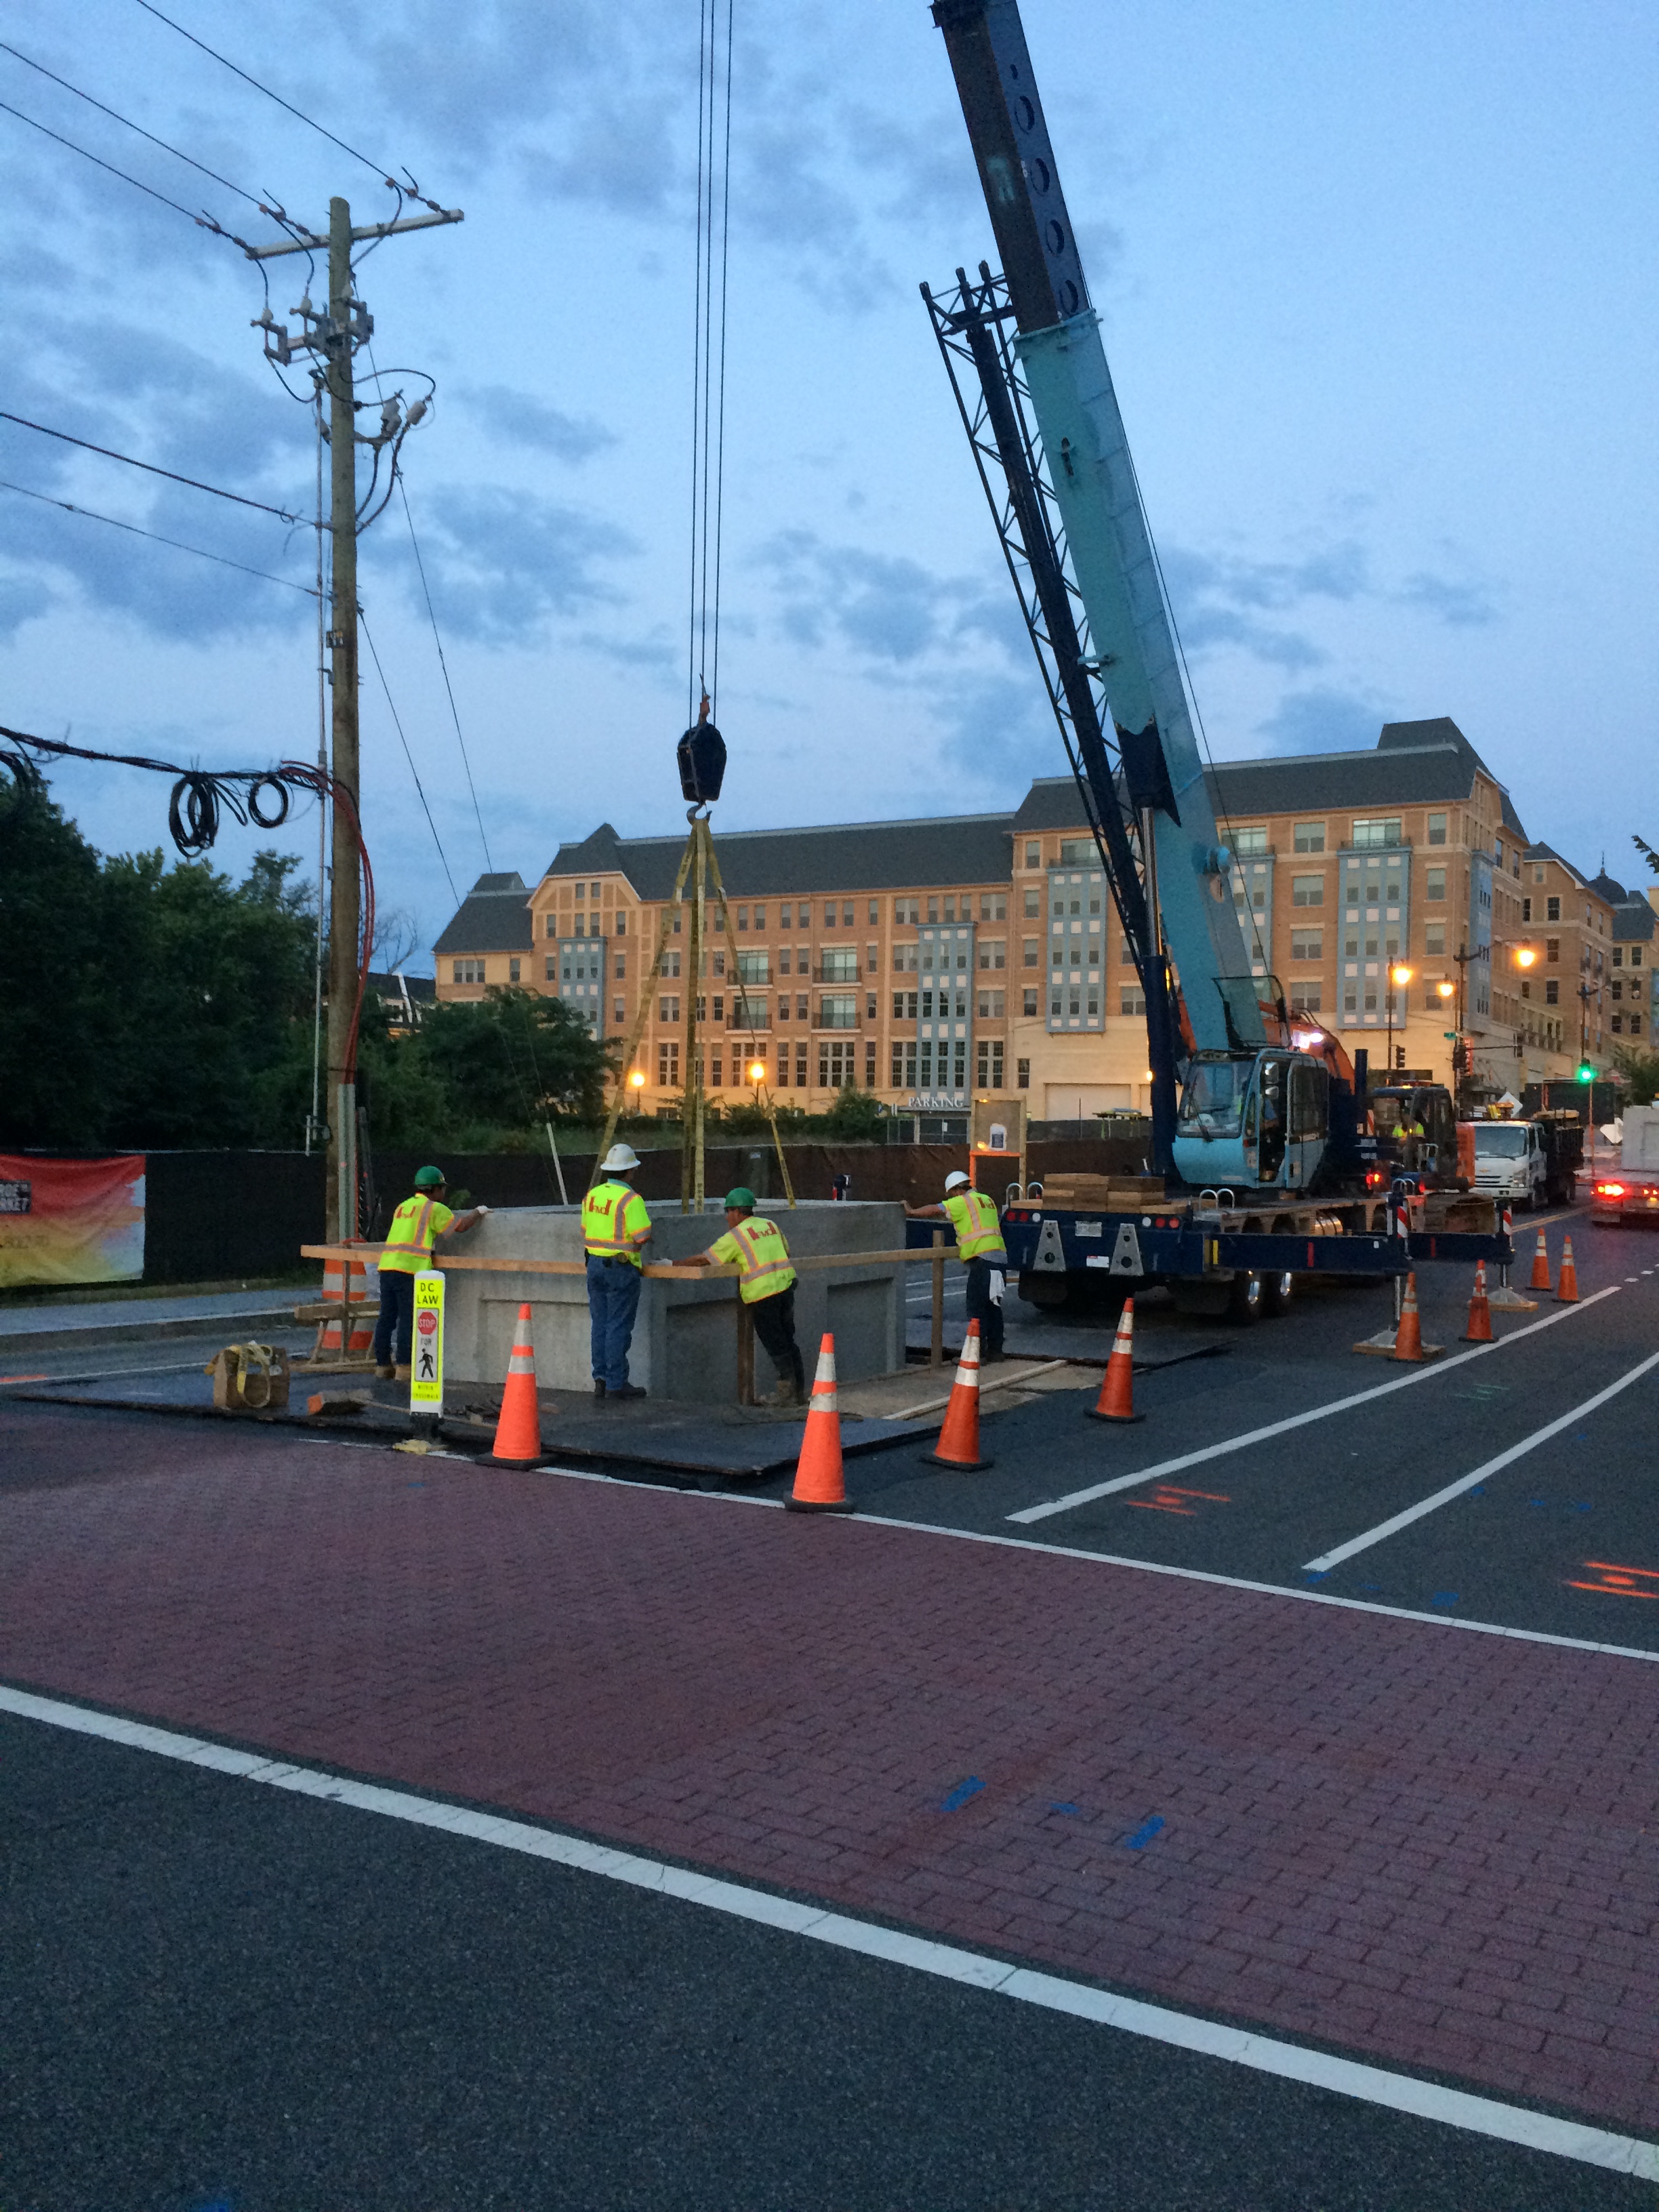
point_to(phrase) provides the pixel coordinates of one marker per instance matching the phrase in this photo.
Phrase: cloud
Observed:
(1322, 719)
(891, 609)
(1460, 606)
(502, 564)
(21, 598)
(1223, 598)
(518, 418)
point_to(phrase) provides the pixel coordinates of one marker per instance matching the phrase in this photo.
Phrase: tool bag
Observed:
(249, 1379)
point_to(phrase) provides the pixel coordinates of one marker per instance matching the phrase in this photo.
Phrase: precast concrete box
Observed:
(685, 1338)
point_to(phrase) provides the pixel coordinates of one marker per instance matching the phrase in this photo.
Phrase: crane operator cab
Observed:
(1254, 1120)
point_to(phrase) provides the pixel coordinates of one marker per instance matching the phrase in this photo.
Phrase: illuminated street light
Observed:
(1525, 955)
(1447, 990)
(636, 1080)
(757, 1071)
(1399, 976)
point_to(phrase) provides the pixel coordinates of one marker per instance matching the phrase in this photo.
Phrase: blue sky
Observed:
(1377, 288)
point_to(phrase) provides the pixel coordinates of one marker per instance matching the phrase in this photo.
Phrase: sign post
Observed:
(426, 1373)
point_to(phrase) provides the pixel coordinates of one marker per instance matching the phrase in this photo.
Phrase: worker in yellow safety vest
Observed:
(766, 1286)
(978, 1228)
(414, 1229)
(616, 1229)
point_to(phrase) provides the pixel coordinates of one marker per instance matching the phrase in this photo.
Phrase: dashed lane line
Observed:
(1372, 2085)
(1391, 1527)
(1167, 1467)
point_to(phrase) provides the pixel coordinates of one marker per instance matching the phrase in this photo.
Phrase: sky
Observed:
(1377, 286)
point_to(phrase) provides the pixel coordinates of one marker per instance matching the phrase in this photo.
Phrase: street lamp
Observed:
(1398, 976)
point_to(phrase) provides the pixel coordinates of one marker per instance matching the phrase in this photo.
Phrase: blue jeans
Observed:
(613, 1299)
(397, 1313)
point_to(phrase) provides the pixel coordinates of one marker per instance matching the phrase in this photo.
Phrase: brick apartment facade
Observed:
(935, 960)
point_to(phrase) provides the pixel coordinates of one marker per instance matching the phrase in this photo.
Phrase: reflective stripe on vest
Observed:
(611, 1230)
(765, 1262)
(974, 1216)
(408, 1233)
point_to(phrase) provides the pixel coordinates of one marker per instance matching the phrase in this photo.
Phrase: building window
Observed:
(468, 971)
(838, 1012)
(1308, 837)
(1307, 890)
(668, 1010)
(1618, 1025)
(993, 952)
(1434, 939)
(742, 918)
(1434, 885)
(621, 925)
(622, 967)
(1436, 828)
(1033, 855)
(837, 1065)
(1307, 945)
(991, 1005)
(1552, 950)
(1253, 840)
(785, 915)
(752, 967)
(1031, 953)
(668, 1067)
(1380, 830)
(993, 905)
(1553, 909)
(906, 910)
(1304, 998)
(1033, 905)
(552, 967)
(1635, 1025)
(904, 959)
(1132, 1002)
(1526, 909)
(552, 925)
(1551, 992)
(990, 1064)
(829, 914)
(1636, 956)
(1618, 955)
(871, 955)
(581, 893)
(840, 964)
(513, 971)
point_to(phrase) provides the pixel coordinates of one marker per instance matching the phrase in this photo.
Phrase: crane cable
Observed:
(709, 349)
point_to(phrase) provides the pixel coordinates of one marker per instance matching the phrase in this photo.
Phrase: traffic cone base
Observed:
(958, 1440)
(1409, 1345)
(1566, 1291)
(1507, 1299)
(1540, 1266)
(820, 1481)
(519, 1430)
(1117, 1386)
(1480, 1328)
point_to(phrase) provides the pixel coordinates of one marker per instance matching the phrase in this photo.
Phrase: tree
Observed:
(1639, 1073)
(511, 1059)
(856, 1116)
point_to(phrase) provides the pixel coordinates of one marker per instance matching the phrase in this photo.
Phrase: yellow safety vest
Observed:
(614, 1223)
(409, 1237)
(757, 1246)
(974, 1216)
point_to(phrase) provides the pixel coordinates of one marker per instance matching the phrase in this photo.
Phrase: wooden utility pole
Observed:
(334, 338)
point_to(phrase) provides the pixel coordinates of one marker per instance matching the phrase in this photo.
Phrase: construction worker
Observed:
(766, 1286)
(616, 1229)
(979, 1242)
(410, 1237)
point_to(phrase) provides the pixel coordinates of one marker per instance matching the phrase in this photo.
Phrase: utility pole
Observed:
(334, 338)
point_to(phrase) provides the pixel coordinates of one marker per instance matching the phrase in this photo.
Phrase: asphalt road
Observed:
(215, 1998)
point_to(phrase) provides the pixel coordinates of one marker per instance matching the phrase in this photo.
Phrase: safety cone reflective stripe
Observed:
(1117, 1388)
(519, 1430)
(1409, 1337)
(1566, 1291)
(1540, 1266)
(1480, 1328)
(958, 1440)
(820, 1483)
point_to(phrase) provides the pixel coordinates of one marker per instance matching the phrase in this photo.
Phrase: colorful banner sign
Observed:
(71, 1221)
(426, 1372)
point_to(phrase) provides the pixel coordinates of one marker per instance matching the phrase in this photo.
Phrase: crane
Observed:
(1259, 1106)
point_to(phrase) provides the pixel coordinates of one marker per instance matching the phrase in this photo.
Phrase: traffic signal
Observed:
(1584, 1072)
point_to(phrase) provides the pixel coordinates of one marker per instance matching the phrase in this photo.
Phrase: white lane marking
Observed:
(1265, 2054)
(1167, 1467)
(1391, 1527)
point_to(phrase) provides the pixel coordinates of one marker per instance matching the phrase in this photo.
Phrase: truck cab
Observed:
(1510, 1162)
(1253, 1120)
(1431, 1158)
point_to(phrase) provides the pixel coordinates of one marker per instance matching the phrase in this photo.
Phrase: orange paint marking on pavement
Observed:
(25, 1378)
(1167, 1497)
(1620, 1582)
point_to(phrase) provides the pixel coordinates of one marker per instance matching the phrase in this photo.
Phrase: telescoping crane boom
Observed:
(1049, 441)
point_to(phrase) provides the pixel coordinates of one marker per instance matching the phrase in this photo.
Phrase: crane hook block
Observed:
(702, 761)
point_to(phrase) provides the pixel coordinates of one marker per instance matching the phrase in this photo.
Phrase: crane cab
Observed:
(1253, 1120)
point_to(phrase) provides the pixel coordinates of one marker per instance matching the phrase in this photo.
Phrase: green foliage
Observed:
(58, 1002)
(1639, 1071)
(856, 1116)
(514, 1057)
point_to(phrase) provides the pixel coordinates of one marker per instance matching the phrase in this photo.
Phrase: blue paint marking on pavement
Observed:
(1065, 1809)
(962, 1793)
(1144, 1834)
(1316, 1578)
(1479, 1490)
(1445, 1597)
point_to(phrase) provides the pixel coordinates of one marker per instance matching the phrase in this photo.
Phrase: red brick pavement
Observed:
(1425, 1846)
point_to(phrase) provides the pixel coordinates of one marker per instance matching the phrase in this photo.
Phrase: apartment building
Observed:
(1393, 892)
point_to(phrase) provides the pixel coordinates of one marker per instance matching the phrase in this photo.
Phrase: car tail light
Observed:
(1610, 1190)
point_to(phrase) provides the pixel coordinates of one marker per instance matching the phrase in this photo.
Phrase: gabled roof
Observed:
(1548, 853)
(494, 917)
(1634, 921)
(854, 856)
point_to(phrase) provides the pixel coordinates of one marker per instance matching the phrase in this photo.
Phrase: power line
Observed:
(379, 168)
(91, 514)
(454, 712)
(126, 121)
(202, 222)
(408, 755)
(109, 453)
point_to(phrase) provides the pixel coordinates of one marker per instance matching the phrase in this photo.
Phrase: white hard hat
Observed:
(619, 1159)
(956, 1180)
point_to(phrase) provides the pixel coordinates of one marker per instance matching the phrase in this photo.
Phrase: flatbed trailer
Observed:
(1220, 1256)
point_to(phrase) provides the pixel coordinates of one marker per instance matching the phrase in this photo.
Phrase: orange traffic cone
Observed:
(519, 1430)
(1117, 1388)
(820, 1484)
(1566, 1291)
(1540, 1266)
(1409, 1337)
(1480, 1328)
(958, 1440)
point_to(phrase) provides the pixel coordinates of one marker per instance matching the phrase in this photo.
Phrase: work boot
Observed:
(624, 1390)
(787, 1392)
(598, 1386)
(385, 1372)
(400, 1374)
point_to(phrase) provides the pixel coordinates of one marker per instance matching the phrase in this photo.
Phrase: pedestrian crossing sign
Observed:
(426, 1372)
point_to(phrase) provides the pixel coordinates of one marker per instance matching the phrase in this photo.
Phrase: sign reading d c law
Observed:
(426, 1373)
(71, 1221)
